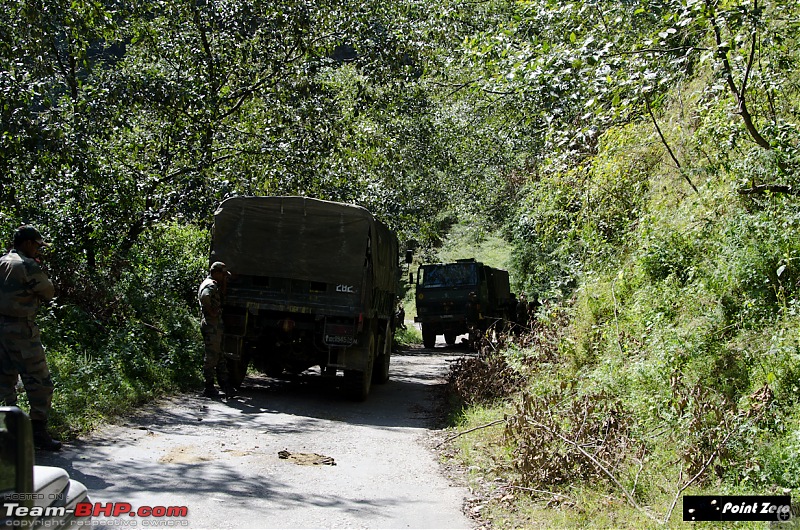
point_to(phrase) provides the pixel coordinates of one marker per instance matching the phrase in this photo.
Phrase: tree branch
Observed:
(664, 141)
(773, 188)
(599, 466)
(450, 439)
(727, 70)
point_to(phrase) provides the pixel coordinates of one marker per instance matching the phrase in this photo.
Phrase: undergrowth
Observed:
(553, 445)
(126, 338)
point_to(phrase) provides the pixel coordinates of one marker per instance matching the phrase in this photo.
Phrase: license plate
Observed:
(339, 340)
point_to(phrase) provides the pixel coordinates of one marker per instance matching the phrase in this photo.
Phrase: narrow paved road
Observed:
(221, 459)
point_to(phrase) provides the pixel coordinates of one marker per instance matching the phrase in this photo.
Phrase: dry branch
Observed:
(450, 439)
(599, 466)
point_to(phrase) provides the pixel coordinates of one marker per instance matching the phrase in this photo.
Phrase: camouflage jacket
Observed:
(23, 285)
(210, 299)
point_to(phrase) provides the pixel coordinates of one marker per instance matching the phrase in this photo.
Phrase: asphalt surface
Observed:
(286, 453)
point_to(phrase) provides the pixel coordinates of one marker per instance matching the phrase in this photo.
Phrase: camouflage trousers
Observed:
(22, 354)
(214, 362)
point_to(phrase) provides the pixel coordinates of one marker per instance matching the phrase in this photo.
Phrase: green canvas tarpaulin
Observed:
(305, 239)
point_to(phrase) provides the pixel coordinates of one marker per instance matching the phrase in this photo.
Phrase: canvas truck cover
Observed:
(304, 239)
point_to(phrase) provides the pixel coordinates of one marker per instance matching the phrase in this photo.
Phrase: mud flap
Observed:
(380, 371)
(357, 382)
(237, 360)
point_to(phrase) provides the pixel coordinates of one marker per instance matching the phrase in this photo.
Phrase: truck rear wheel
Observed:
(274, 369)
(428, 336)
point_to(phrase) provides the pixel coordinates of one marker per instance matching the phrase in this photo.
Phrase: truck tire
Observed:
(357, 383)
(380, 372)
(428, 336)
(274, 369)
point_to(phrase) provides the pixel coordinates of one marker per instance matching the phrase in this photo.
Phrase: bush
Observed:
(146, 344)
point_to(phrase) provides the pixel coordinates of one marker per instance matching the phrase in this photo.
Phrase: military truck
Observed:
(313, 283)
(442, 291)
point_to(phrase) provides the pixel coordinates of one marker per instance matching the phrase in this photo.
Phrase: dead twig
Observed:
(707, 464)
(534, 490)
(450, 439)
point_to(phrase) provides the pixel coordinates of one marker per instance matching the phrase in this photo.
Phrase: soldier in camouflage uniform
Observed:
(210, 297)
(23, 286)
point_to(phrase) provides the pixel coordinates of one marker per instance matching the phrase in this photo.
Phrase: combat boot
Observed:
(42, 439)
(210, 390)
(228, 388)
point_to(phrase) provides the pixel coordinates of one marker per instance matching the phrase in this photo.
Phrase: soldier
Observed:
(210, 297)
(400, 316)
(23, 286)
(474, 317)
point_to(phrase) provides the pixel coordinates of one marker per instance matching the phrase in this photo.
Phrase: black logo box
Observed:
(737, 507)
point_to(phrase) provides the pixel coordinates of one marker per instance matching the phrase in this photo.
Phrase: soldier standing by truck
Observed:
(210, 297)
(473, 316)
(23, 287)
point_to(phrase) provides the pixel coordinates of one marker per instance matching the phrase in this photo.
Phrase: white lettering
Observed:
(15, 510)
(117, 521)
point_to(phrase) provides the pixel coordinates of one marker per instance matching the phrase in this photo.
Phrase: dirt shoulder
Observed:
(288, 453)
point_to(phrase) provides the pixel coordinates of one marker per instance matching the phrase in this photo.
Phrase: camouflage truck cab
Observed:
(441, 297)
(313, 283)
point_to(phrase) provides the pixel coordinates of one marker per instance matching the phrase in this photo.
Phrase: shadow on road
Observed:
(220, 457)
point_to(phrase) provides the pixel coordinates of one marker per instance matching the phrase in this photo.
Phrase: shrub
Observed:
(147, 342)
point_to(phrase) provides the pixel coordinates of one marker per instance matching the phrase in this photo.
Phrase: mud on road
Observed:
(285, 453)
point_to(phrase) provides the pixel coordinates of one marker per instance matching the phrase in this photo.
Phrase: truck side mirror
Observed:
(409, 256)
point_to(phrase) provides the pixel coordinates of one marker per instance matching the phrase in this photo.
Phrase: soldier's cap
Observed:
(28, 233)
(218, 266)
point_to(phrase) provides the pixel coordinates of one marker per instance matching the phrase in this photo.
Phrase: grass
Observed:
(502, 500)
(690, 343)
(410, 335)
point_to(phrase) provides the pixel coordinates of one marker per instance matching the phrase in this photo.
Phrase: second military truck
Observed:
(314, 283)
(442, 293)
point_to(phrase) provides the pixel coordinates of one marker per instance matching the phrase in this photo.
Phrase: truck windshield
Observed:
(449, 275)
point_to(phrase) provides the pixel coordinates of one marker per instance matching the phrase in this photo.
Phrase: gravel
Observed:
(285, 453)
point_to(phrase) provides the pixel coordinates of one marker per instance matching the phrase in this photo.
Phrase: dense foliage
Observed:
(661, 215)
(638, 158)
